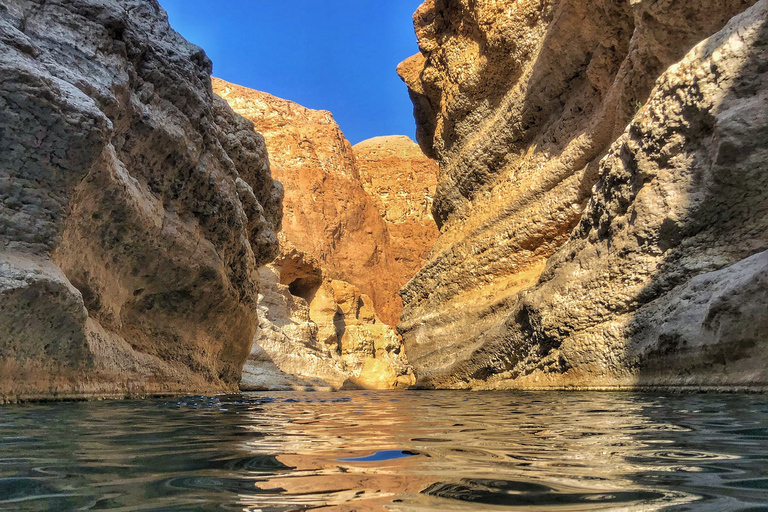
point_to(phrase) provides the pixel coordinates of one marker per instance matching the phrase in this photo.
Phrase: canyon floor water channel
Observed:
(411, 451)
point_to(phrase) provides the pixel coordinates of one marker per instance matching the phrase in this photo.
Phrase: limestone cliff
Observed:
(135, 207)
(329, 210)
(317, 332)
(401, 181)
(357, 225)
(656, 276)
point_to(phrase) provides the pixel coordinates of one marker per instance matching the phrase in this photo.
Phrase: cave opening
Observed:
(304, 287)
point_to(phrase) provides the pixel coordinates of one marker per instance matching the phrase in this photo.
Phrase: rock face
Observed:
(135, 207)
(401, 181)
(331, 209)
(656, 276)
(286, 354)
(357, 225)
(316, 332)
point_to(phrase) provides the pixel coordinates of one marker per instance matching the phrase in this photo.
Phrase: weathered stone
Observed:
(375, 375)
(319, 332)
(401, 180)
(525, 105)
(357, 226)
(286, 353)
(362, 212)
(135, 207)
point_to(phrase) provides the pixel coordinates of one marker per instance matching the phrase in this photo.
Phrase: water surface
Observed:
(377, 451)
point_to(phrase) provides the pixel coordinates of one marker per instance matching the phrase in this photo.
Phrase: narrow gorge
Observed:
(586, 208)
(259, 293)
(356, 226)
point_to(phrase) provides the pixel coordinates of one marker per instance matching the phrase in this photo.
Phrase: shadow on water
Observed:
(709, 446)
(521, 494)
(376, 451)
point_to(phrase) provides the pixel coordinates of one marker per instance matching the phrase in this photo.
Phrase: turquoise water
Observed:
(376, 451)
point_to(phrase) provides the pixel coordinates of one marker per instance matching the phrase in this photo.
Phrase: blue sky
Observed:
(337, 55)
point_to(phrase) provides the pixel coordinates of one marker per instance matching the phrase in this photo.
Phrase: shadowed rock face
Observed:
(135, 207)
(539, 279)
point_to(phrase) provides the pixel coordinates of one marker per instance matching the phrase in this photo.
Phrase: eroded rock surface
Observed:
(401, 181)
(316, 332)
(135, 207)
(539, 279)
(333, 209)
(357, 225)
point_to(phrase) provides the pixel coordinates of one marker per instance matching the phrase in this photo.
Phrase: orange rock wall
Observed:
(354, 209)
(402, 182)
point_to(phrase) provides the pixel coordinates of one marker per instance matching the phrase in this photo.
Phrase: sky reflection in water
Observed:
(376, 451)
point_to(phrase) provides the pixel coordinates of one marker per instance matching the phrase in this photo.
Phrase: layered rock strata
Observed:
(135, 207)
(332, 209)
(656, 276)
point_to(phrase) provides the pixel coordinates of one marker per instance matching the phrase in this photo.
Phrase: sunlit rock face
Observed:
(347, 207)
(574, 249)
(316, 332)
(357, 225)
(401, 181)
(135, 207)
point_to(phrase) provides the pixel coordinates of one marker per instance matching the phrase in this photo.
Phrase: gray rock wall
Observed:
(135, 208)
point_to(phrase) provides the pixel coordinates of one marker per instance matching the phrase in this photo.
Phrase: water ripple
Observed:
(379, 451)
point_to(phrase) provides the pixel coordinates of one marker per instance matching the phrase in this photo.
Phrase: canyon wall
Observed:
(317, 332)
(602, 203)
(357, 225)
(331, 210)
(401, 181)
(135, 207)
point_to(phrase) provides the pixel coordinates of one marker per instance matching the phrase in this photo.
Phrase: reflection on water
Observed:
(383, 455)
(376, 451)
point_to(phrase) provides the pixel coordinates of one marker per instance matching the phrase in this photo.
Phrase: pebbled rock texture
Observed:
(350, 208)
(653, 277)
(135, 207)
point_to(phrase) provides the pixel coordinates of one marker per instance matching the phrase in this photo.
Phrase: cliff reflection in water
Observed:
(433, 451)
